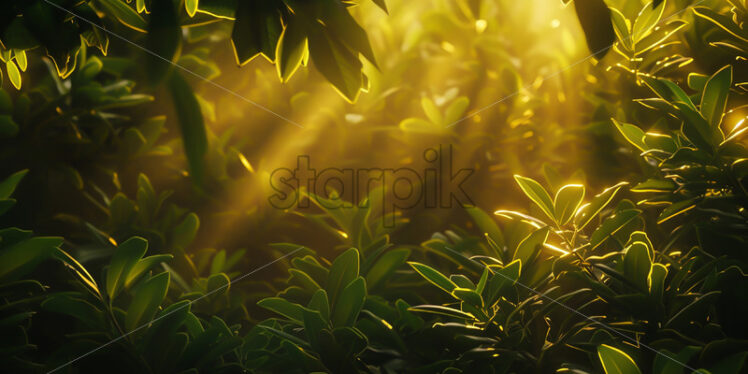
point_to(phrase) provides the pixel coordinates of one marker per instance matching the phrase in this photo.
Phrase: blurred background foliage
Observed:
(138, 138)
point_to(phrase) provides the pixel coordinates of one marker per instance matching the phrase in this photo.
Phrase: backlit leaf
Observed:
(594, 16)
(191, 124)
(13, 74)
(9, 184)
(537, 194)
(343, 271)
(529, 247)
(292, 46)
(615, 361)
(637, 264)
(256, 30)
(292, 311)
(435, 277)
(125, 257)
(124, 13)
(191, 7)
(647, 20)
(144, 307)
(349, 303)
(714, 98)
(567, 201)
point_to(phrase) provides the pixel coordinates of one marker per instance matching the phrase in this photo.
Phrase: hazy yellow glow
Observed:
(542, 38)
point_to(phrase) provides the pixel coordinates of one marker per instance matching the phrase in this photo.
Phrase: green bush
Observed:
(620, 170)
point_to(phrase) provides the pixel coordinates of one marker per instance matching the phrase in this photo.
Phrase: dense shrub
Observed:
(137, 236)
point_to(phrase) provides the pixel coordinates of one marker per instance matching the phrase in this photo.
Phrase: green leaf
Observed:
(303, 279)
(722, 21)
(668, 91)
(77, 308)
(191, 124)
(486, 224)
(612, 225)
(343, 271)
(660, 142)
(419, 125)
(149, 298)
(13, 74)
(385, 266)
(79, 270)
(125, 257)
(632, 133)
(219, 260)
(482, 281)
(469, 296)
(90, 70)
(313, 326)
(442, 310)
(143, 266)
(501, 281)
(349, 303)
(552, 177)
(622, 27)
(432, 112)
(677, 208)
(567, 201)
(312, 267)
(615, 361)
(338, 64)
(714, 98)
(218, 283)
(731, 364)
(656, 280)
(164, 39)
(595, 18)
(184, 233)
(697, 81)
(94, 36)
(340, 23)
(666, 362)
(224, 9)
(529, 247)
(21, 59)
(462, 281)
(21, 258)
(434, 276)
(292, 311)
(441, 248)
(655, 185)
(694, 311)
(124, 13)
(191, 7)
(320, 303)
(10, 183)
(456, 110)
(637, 264)
(284, 335)
(647, 19)
(696, 129)
(537, 194)
(256, 30)
(659, 35)
(292, 46)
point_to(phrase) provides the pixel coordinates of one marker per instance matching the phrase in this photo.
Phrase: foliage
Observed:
(155, 253)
